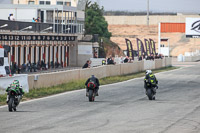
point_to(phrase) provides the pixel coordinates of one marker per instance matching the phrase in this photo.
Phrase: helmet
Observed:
(148, 72)
(16, 82)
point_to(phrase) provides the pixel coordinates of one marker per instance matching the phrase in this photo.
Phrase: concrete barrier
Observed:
(99, 72)
(52, 79)
(159, 63)
(192, 58)
(7, 80)
(163, 63)
(149, 64)
(168, 62)
(55, 78)
(113, 70)
(134, 67)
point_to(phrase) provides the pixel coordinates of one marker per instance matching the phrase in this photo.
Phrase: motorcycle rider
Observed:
(92, 82)
(150, 81)
(18, 88)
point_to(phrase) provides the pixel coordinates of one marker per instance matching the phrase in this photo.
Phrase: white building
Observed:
(42, 2)
(58, 20)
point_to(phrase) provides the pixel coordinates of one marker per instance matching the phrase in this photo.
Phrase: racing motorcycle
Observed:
(13, 98)
(151, 90)
(92, 91)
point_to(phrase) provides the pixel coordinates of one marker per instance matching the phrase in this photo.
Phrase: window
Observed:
(59, 2)
(1, 61)
(45, 2)
(63, 3)
(68, 3)
(31, 2)
(48, 2)
(41, 2)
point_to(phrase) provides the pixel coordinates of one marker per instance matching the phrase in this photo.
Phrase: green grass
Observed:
(79, 84)
(2, 99)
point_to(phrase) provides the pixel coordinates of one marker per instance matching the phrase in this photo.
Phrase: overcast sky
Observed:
(5, 1)
(154, 5)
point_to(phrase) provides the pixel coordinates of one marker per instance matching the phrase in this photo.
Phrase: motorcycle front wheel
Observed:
(10, 104)
(150, 94)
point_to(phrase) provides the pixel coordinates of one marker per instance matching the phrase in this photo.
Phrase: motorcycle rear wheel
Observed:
(91, 97)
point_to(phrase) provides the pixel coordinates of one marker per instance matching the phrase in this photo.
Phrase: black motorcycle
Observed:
(92, 92)
(14, 99)
(150, 90)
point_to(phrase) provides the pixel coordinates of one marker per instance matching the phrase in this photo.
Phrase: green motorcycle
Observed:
(13, 98)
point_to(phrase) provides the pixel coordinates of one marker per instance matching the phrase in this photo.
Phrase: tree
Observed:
(95, 22)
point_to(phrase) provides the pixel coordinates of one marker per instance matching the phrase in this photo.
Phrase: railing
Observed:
(38, 27)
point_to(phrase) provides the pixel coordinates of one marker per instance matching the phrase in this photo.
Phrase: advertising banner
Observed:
(129, 49)
(192, 27)
(140, 47)
(85, 49)
(148, 47)
(153, 47)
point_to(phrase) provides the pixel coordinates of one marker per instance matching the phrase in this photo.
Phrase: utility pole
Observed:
(147, 12)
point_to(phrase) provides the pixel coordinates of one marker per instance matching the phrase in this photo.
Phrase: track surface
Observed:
(120, 108)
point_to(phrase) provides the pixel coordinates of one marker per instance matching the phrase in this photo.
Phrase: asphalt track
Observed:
(120, 108)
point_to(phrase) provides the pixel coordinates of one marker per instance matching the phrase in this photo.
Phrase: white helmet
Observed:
(148, 72)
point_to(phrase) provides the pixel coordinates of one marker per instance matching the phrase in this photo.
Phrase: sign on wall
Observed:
(193, 27)
(85, 49)
(8, 37)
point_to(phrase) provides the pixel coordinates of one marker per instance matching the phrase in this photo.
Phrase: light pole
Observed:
(27, 28)
(147, 12)
(68, 29)
(5, 25)
(49, 28)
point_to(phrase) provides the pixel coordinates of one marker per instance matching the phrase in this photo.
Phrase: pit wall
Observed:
(56, 78)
